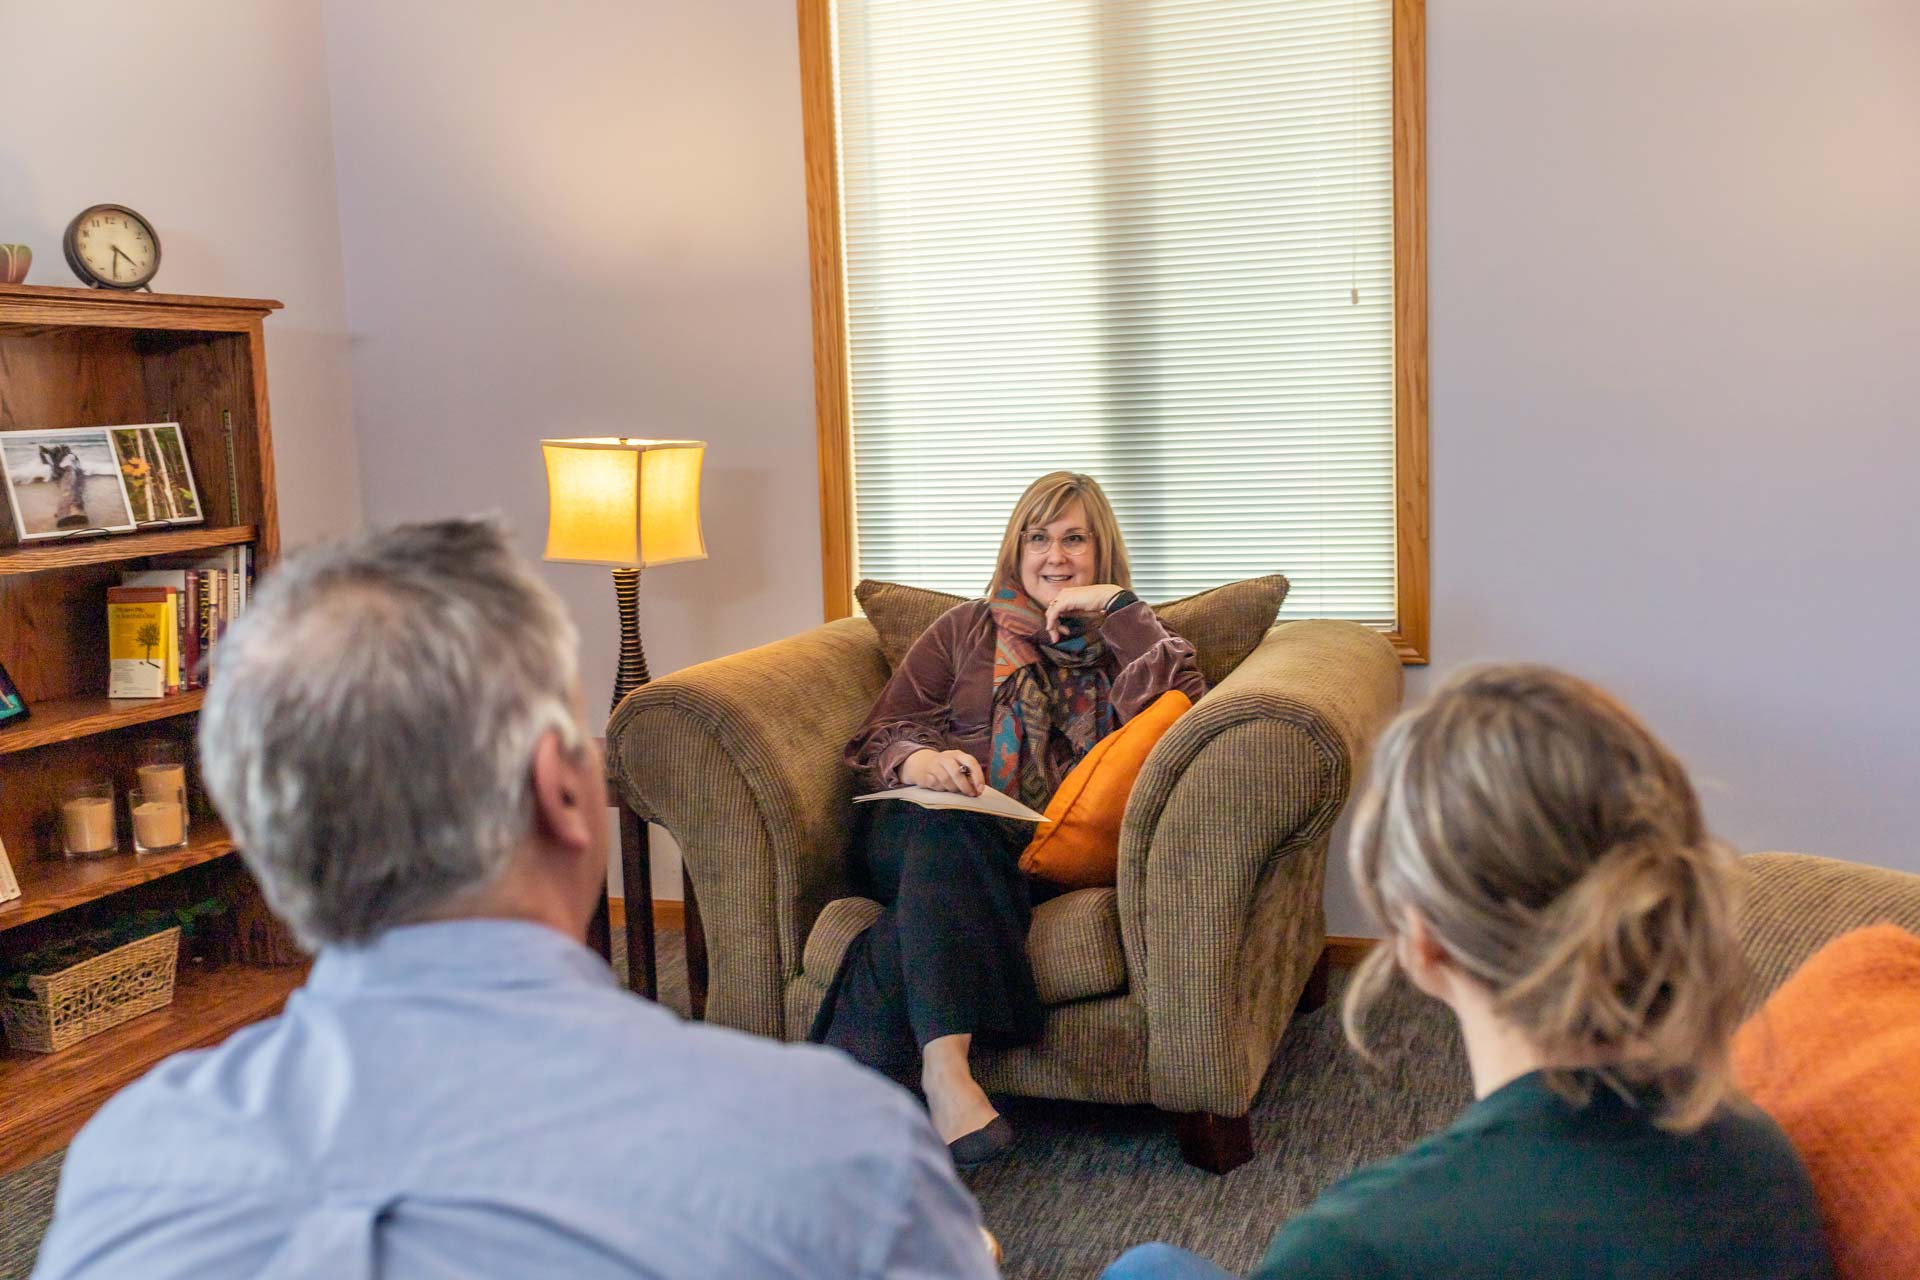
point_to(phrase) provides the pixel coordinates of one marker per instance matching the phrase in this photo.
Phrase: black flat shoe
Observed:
(971, 1150)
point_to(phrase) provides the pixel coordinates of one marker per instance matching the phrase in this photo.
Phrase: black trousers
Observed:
(949, 954)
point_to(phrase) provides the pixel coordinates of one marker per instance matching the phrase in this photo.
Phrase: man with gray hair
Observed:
(395, 737)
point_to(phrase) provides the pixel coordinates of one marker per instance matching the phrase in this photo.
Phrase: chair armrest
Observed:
(740, 759)
(1222, 853)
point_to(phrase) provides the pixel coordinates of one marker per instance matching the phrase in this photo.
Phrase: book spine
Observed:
(190, 630)
(177, 601)
(204, 610)
(173, 640)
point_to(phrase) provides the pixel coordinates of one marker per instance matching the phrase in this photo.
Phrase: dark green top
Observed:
(1527, 1184)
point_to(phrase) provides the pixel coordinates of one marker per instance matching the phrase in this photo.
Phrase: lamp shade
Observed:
(624, 501)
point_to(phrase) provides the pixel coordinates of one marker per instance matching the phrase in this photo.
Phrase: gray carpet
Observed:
(26, 1203)
(1085, 1181)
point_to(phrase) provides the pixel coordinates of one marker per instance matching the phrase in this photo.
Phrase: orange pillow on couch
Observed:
(1078, 846)
(1834, 1057)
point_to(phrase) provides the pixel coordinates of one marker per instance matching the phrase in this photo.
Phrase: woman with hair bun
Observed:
(1537, 861)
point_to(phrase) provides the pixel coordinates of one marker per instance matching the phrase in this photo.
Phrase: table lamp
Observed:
(628, 503)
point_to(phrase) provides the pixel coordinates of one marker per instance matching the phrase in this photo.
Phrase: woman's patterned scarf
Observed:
(1050, 701)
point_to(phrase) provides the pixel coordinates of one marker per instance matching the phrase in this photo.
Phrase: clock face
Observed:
(113, 246)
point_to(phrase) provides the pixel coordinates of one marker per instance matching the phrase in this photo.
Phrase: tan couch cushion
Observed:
(1223, 624)
(1797, 903)
(1074, 944)
(843, 920)
(900, 613)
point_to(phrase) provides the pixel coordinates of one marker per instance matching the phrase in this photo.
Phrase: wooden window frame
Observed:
(830, 381)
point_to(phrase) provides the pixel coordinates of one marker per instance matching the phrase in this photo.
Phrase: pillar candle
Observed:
(163, 779)
(86, 824)
(157, 824)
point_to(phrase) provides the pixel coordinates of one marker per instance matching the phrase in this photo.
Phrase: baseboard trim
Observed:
(667, 914)
(1345, 952)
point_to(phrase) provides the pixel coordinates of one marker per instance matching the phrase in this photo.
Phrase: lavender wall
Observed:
(1675, 256)
(1674, 362)
(211, 119)
(586, 217)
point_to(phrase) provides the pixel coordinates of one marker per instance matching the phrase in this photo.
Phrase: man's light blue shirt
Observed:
(480, 1098)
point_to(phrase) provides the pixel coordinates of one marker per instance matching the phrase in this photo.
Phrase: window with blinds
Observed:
(1151, 240)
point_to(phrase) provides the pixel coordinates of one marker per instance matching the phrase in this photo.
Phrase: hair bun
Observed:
(1558, 851)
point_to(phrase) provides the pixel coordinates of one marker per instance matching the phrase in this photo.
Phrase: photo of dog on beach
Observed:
(65, 482)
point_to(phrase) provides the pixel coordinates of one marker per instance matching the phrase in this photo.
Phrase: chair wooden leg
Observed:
(600, 928)
(696, 941)
(636, 872)
(1218, 1144)
(1318, 982)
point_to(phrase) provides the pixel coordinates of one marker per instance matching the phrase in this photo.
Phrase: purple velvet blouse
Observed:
(942, 695)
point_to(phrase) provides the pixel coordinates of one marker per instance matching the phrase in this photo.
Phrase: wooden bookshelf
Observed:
(68, 719)
(49, 1096)
(50, 885)
(91, 358)
(38, 557)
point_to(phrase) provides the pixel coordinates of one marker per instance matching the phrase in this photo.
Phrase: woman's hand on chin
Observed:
(944, 771)
(1085, 601)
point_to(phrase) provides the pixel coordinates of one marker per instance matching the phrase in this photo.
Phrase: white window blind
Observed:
(1151, 240)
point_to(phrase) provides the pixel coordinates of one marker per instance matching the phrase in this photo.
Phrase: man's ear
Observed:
(561, 794)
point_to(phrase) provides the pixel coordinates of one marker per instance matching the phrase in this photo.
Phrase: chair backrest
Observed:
(1797, 903)
(1223, 623)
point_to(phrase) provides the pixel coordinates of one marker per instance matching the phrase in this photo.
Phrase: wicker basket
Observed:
(95, 994)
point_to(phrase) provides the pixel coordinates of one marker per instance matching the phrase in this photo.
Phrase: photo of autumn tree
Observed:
(153, 461)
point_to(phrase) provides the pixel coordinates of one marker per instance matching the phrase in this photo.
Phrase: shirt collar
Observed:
(1531, 1095)
(483, 954)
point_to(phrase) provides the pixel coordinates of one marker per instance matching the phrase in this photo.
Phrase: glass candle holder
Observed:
(162, 767)
(85, 819)
(159, 819)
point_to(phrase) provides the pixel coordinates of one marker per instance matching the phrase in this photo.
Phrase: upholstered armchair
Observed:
(1171, 988)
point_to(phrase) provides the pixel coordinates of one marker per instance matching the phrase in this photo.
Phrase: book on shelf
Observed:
(184, 588)
(206, 615)
(210, 591)
(141, 629)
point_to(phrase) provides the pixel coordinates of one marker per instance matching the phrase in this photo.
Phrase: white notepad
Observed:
(9, 887)
(988, 801)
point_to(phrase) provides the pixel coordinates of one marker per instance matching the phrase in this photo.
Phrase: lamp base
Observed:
(632, 672)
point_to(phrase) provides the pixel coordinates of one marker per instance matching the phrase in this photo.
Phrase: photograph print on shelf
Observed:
(153, 462)
(12, 705)
(64, 482)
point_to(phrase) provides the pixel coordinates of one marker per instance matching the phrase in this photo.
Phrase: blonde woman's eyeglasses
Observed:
(1041, 542)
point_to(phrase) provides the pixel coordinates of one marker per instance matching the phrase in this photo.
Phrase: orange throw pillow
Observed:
(1834, 1058)
(1078, 846)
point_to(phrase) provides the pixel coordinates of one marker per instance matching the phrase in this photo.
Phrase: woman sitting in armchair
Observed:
(1008, 692)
